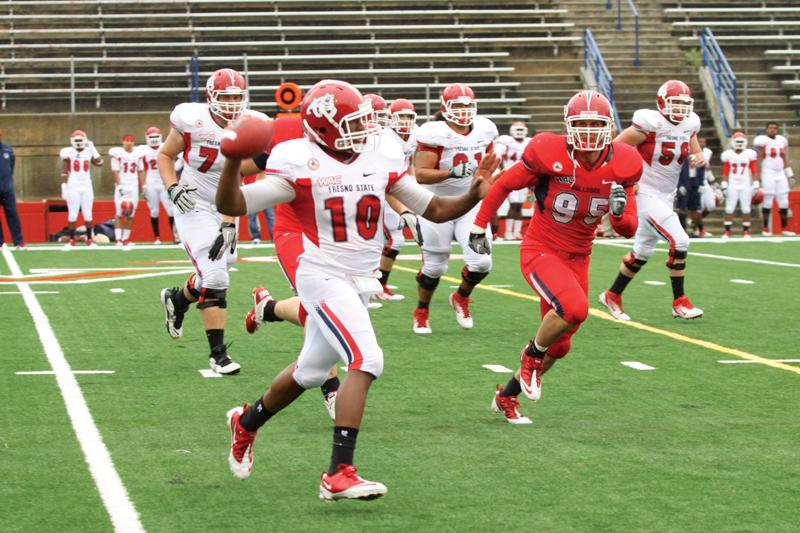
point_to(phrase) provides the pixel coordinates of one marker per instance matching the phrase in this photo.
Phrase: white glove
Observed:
(478, 241)
(411, 221)
(63, 191)
(682, 190)
(724, 185)
(701, 189)
(224, 241)
(464, 170)
(617, 200)
(789, 172)
(756, 185)
(179, 194)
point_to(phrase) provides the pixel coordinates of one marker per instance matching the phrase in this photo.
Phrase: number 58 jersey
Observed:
(454, 149)
(664, 150)
(202, 159)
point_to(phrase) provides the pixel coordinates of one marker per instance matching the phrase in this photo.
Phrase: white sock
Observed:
(509, 229)
(118, 234)
(517, 227)
(126, 234)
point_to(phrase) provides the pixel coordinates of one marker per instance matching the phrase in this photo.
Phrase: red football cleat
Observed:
(460, 305)
(389, 295)
(421, 326)
(613, 302)
(530, 377)
(255, 317)
(346, 484)
(683, 308)
(509, 406)
(240, 457)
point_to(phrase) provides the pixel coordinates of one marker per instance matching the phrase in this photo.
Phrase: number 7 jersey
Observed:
(664, 150)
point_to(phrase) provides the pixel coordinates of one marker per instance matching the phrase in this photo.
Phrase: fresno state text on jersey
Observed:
(454, 149)
(340, 206)
(664, 150)
(774, 150)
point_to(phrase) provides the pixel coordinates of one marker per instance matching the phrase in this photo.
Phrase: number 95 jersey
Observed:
(664, 150)
(202, 158)
(454, 149)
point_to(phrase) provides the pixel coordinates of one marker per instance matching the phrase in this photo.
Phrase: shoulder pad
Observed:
(627, 163)
(484, 125)
(504, 139)
(185, 116)
(646, 120)
(391, 148)
(115, 151)
(431, 133)
(751, 154)
(726, 155)
(693, 122)
(254, 113)
(289, 154)
(548, 151)
(782, 139)
(64, 153)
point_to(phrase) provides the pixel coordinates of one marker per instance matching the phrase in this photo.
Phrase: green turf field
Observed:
(694, 445)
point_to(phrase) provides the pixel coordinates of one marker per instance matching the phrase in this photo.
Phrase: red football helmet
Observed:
(336, 115)
(588, 106)
(380, 109)
(126, 207)
(228, 83)
(153, 137)
(458, 104)
(404, 116)
(518, 131)
(78, 139)
(739, 140)
(675, 100)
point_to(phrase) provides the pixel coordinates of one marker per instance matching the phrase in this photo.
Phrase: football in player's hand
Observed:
(246, 137)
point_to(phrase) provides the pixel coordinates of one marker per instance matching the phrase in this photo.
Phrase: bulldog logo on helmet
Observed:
(323, 106)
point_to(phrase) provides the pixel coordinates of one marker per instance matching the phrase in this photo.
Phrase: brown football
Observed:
(246, 137)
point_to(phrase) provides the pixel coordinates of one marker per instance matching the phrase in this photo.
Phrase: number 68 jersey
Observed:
(454, 149)
(202, 159)
(664, 150)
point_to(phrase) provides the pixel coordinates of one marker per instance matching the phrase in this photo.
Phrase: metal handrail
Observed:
(722, 78)
(635, 13)
(593, 61)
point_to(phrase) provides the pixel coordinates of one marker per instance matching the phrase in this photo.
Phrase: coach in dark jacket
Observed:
(8, 200)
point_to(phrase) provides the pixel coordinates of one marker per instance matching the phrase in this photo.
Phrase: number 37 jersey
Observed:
(664, 150)
(454, 149)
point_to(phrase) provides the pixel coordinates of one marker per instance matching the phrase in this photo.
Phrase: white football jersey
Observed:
(409, 145)
(513, 149)
(664, 150)
(80, 163)
(454, 149)
(739, 175)
(149, 161)
(202, 158)
(774, 150)
(127, 164)
(340, 206)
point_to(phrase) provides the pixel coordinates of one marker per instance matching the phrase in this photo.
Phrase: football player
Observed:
(448, 152)
(576, 179)
(76, 187)
(126, 163)
(708, 192)
(208, 237)
(738, 170)
(776, 175)
(402, 129)
(665, 139)
(514, 143)
(154, 192)
(336, 179)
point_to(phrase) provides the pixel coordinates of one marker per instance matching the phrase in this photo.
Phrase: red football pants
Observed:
(288, 247)
(562, 282)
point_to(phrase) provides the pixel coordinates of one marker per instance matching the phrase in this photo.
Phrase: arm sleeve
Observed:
(412, 194)
(726, 169)
(261, 160)
(753, 168)
(517, 177)
(628, 222)
(266, 193)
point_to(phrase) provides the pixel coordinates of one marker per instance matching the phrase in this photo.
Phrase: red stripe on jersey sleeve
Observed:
(753, 168)
(394, 177)
(647, 148)
(303, 205)
(187, 140)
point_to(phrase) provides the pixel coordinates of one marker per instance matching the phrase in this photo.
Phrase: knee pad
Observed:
(310, 378)
(434, 265)
(216, 278)
(633, 263)
(390, 253)
(212, 298)
(427, 282)
(473, 278)
(191, 284)
(576, 312)
(479, 263)
(677, 255)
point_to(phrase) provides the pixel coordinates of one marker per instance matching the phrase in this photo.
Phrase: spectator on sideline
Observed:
(8, 200)
(252, 220)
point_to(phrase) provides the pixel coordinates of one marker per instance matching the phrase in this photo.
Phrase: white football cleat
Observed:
(682, 308)
(240, 456)
(788, 233)
(461, 307)
(374, 305)
(173, 322)
(330, 404)
(157, 241)
(613, 302)
(255, 317)
(389, 295)
(421, 325)
(765, 233)
(346, 484)
(118, 243)
(221, 363)
(509, 407)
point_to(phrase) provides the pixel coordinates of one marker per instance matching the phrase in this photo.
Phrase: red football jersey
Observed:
(286, 129)
(570, 199)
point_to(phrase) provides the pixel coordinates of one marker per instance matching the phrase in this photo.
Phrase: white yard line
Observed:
(500, 369)
(51, 373)
(34, 292)
(636, 365)
(711, 256)
(208, 373)
(123, 514)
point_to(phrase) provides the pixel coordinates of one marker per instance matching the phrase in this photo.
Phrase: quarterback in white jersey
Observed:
(448, 152)
(76, 187)
(154, 192)
(208, 237)
(665, 139)
(402, 129)
(126, 163)
(776, 173)
(513, 146)
(337, 180)
(739, 169)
